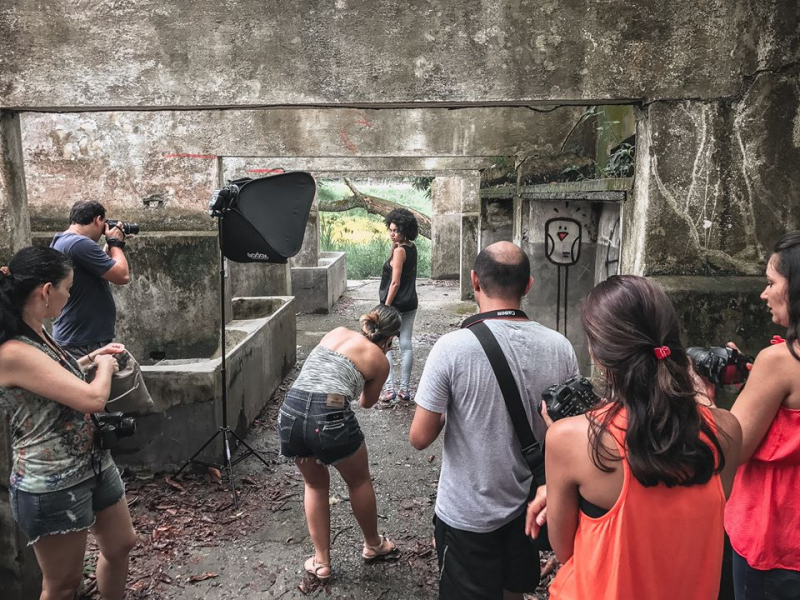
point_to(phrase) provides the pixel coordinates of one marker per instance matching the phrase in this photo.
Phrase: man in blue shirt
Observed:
(89, 318)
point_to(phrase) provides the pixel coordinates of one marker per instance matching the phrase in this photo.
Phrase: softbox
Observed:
(266, 219)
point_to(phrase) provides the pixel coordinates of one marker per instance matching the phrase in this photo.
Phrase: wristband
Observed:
(115, 243)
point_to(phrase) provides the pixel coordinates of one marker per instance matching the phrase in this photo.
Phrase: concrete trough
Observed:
(317, 289)
(261, 341)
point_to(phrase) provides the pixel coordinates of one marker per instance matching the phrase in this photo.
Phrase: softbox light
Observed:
(265, 220)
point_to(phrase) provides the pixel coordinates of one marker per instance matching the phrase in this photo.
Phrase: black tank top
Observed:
(406, 298)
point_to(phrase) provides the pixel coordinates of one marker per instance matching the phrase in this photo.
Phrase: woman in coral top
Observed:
(763, 516)
(636, 488)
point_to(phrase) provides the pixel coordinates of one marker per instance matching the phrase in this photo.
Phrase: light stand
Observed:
(226, 432)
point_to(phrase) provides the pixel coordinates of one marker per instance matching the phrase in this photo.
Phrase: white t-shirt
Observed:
(485, 481)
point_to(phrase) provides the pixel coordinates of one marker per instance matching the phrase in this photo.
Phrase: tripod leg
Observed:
(229, 466)
(249, 450)
(203, 447)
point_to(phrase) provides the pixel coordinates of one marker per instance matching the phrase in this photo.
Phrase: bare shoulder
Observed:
(13, 350)
(566, 432)
(14, 355)
(775, 357)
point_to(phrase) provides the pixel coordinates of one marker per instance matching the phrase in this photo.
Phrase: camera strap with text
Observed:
(531, 450)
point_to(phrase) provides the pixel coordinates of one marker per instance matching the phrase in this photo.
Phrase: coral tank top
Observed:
(763, 513)
(655, 543)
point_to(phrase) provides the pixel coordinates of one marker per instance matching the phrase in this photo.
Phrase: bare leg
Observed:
(355, 472)
(60, 557)
(318, 512)
(116, 538)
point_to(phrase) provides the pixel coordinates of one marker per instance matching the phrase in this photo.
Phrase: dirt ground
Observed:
(194, 544)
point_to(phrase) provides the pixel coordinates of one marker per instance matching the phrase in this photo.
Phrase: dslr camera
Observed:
(721, 365)
(127, 228)
(569, 399)
(111, 427)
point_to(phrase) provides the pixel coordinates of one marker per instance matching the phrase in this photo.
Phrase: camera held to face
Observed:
(111, 427)
(127, 228)
(569, 399)
(721, 365)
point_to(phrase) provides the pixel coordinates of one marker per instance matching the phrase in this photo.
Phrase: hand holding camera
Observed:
(722, 365)
(569, 399)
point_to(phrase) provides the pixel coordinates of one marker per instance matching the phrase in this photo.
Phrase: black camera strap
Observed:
(531, 450)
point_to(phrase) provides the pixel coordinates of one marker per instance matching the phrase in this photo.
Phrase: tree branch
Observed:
(375, 206)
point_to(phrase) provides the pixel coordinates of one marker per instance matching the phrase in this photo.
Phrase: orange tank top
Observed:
(657, 543)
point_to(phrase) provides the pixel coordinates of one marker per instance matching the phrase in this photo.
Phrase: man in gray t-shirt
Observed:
(485, 481)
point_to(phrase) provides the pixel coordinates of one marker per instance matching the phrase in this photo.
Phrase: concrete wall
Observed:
(318, 288)
(446, 201)
(294, 53)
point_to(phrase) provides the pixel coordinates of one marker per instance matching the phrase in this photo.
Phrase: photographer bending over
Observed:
(61, 485)
(318, 429)
(636, 488)
(763, 515)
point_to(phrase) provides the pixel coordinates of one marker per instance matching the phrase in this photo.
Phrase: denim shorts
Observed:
(319, 425)
(68, 510)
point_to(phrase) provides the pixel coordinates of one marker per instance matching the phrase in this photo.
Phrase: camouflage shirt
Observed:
(53, 444)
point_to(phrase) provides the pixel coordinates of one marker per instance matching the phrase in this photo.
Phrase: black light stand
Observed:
(226, 432)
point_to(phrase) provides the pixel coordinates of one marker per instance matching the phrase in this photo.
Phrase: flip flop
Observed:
(312, 567)
(378, 551)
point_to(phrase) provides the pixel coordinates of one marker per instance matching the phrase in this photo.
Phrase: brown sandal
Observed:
(379, 551)
(312, 567)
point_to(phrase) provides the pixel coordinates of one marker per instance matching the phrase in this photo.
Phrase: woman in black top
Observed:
(399, 289)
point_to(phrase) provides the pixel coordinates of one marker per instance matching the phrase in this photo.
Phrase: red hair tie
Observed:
(776, 339)
(662, 352)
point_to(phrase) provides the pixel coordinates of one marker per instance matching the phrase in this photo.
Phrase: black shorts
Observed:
(309, 426)
(479, 566)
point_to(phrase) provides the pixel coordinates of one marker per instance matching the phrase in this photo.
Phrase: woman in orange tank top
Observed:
(636, 488)
(763, 516)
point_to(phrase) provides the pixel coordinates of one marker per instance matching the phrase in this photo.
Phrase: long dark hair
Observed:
(787, 263)
(29, 268)
(667, 438)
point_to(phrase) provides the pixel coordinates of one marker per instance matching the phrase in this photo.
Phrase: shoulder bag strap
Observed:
(531, 449)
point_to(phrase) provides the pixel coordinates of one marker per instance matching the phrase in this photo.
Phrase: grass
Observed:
(364, 236)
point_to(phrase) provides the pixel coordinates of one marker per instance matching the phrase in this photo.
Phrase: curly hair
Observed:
(405, 221)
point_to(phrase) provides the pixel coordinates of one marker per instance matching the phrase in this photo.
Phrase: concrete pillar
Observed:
(446, 199)
(19, 573)
(15, 229)
(470, 228)
(309, 253)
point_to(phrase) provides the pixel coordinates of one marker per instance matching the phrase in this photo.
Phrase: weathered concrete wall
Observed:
(318, 288)
(261, 342)
(171, 307)
(470, 232)
(716, 182)
(159, 168)
(289, 53)
(15, 230)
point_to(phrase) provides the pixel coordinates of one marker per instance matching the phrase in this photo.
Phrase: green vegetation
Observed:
(364, 236)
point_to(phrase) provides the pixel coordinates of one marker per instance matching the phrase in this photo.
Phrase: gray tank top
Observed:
(329, 372)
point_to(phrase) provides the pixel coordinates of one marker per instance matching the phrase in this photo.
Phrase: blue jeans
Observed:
(752, 584)
(319, 425)
(70, 509)
(406, 352)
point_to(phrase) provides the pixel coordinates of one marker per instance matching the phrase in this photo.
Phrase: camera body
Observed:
(720, 364)
(127, 228)
(569, 399)
(111, 427)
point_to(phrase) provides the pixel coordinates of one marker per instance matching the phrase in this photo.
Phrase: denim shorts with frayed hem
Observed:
(311, 424)
(68, 510)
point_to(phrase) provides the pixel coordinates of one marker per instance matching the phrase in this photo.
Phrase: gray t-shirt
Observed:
(484, 480)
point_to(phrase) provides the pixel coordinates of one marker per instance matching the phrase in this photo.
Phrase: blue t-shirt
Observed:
(90, 314)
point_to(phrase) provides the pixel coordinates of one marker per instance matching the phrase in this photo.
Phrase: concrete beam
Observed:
(293, 52)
